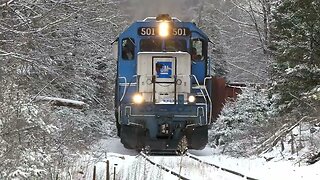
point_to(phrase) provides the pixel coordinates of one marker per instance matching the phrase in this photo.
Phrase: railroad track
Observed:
(193, 157)
(219, 167)
(167, 169)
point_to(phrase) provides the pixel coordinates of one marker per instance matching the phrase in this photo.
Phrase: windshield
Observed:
(159, 45)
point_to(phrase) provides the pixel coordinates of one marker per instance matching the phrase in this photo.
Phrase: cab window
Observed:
(151, 45)
(156, 45)
(127, 48)
(172, 45)
(197, 49)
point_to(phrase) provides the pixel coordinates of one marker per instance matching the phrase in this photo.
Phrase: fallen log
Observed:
(273, 140)
(61, 102)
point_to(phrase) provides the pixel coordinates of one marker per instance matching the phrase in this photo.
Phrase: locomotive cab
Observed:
(162, 88)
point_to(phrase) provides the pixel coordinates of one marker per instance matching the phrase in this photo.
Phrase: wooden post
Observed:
(292, 143)
(94, 173)
(107, 171)
(114, 171)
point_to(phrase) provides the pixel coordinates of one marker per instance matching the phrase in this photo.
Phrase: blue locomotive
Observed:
(163, 86)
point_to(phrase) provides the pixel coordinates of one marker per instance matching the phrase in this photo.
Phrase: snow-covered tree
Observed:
(240, 33)
(58, 49)
(243, 122)
(296, 40)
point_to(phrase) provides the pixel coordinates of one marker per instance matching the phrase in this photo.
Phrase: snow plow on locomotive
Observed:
(163, 86)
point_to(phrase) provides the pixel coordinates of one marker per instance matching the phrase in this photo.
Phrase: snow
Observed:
(261, 169)
(128, 164)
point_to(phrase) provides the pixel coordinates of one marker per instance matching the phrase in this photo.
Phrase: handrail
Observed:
(210, 105)
(154, 19)
(125, 87)
(204, 94)
(195, 78)
(175, 84)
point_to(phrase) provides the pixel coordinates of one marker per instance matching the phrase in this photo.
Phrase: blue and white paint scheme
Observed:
(162, 91)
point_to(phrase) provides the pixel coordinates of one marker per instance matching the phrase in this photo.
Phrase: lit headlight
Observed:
(137, 98)
(164, 29)
(191, 99)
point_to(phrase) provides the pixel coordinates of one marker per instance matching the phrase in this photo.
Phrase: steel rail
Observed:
(219, 167)
(163, 167)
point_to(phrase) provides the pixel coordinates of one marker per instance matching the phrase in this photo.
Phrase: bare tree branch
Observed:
(246, 70)
(6, 3)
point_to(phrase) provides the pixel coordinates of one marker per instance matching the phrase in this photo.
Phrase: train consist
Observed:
(163, 85)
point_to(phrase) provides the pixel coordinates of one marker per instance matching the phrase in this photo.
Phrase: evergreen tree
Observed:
(244, 122)
(296, 39)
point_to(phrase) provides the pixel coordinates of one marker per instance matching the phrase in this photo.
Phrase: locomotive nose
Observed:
(161, 92)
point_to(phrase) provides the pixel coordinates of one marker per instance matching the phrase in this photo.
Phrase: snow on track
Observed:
(129, 164)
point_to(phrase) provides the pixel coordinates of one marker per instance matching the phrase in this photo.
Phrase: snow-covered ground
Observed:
(128, 164)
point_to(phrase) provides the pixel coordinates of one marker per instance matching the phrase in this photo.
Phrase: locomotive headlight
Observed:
(191, 99)
(164, 28)
(137, 98)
